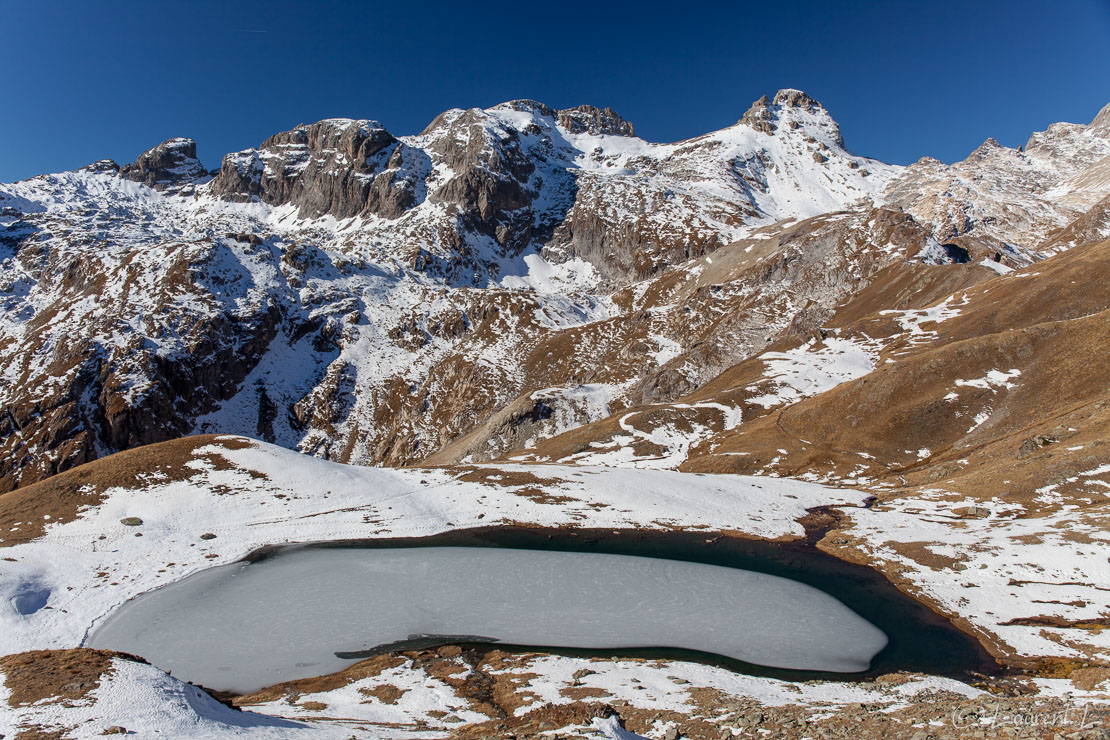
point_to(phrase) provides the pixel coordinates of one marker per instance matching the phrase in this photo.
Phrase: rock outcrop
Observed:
(766, 115)
(339, 167)
(586, 119)
(172, 166)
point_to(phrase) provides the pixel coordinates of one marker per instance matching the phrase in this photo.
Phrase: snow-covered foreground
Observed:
(240, 495)
(145, 701)
(406, 702)
(60, 585)
(655, 687)
(1002, 571)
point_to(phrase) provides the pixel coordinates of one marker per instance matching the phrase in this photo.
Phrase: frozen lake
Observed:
(244, 626)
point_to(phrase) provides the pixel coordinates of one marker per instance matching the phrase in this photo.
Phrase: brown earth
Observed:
(1042, 321)
(495, 683)
(1043, 325)
(62, 497)
(55, 675)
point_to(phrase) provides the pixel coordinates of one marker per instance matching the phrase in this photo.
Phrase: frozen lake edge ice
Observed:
(246, 625)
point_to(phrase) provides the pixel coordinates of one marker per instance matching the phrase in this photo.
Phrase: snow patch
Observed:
(813, 369)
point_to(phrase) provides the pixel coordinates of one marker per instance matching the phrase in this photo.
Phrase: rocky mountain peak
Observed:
(759, 116)
(987, 148)
(355, 139)
(170, 166)
(332, 166)
(527, 106)
(1101, 123)
(791, 98)
(102, 166)
(586, 119)
(794, 109)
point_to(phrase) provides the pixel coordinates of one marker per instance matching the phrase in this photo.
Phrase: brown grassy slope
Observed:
(64, 495)
(901, 409)
(721, 309)
(55, 675)
(1051, 322)
(1048, 321)
(902, 285)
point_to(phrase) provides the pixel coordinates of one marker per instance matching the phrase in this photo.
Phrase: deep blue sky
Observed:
(88, 79)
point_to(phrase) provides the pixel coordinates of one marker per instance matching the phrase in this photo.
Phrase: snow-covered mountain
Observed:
(371, 298)
(314, 289)
(1011, 200)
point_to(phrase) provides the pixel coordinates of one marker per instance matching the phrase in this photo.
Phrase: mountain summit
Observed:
(172, 166)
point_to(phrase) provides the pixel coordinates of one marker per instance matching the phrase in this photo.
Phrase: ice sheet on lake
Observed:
(243, 626)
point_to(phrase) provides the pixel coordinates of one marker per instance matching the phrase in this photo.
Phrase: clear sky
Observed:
(91, 79)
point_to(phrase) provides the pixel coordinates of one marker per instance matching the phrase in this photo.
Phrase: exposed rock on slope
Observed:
(367, 297)
(331, 167)
(172, 166)
(586, 119)
(1014, 197)
(1092, 226)
(503, 276)
(695, 322)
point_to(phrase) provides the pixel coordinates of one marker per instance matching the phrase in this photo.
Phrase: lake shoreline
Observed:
(861, 587)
